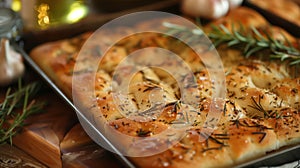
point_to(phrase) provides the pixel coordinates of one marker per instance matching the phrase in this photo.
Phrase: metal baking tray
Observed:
(275, 158)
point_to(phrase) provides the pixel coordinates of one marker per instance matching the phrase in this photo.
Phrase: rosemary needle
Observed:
(16, 107)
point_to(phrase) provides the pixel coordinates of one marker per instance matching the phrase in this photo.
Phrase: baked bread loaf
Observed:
(259, 114)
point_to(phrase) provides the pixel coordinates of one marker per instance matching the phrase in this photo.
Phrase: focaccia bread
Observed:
(286, 9)
(259, 114)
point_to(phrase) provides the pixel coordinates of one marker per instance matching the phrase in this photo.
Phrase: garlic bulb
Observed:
(210, 9)
(11, 63)
(234, 3)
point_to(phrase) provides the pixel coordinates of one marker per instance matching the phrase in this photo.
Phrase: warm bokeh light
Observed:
(43, 18)
(16, 5)
(43, 14)
(77, 11)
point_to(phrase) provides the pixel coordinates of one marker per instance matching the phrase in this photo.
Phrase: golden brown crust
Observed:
(241, 16)
(286, 126)
(289, 90)
(57, 58)
(287, 9)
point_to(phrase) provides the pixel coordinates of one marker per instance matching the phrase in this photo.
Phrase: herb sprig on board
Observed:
(248, 43)
(16, 107)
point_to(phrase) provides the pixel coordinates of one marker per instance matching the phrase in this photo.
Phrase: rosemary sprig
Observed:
(250, 43)
(267, 113)
(257, 106)
(16, 107)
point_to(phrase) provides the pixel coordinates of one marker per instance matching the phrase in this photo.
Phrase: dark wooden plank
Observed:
(11, 156)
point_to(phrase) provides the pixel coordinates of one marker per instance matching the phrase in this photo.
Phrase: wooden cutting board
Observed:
(78, 151)
(56, 139)
(42, 136)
